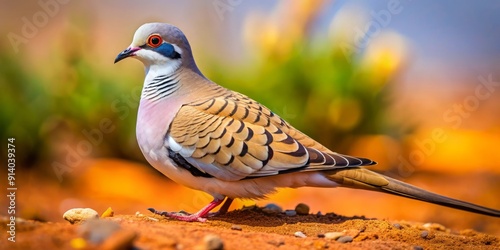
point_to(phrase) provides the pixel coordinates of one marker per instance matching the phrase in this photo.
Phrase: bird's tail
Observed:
(365, 179)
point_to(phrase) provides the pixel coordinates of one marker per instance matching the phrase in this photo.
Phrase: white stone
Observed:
(76, 215)
(334, 235)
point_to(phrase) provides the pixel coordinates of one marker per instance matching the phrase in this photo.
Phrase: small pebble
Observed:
(290, 213)
(418, 248)
(76, 215)
(345, 239)
(320, 235)
(397, 225)
(424, 234)
(302, 209)
(272, 209)
(108, 213)
(252, 207)
(236, 227)
(299, 234)
(213, 242)
(334, 235)
(435, 226)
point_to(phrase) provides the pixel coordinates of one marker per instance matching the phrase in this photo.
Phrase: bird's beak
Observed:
(126, 53)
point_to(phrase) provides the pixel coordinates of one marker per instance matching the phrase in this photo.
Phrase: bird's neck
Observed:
(161, 81)
(165, 82)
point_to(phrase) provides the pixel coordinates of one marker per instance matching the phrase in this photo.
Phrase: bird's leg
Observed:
(225, 206)
(198, 216)
(223, 209)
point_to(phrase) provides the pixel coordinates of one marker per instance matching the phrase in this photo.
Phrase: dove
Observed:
(209, 138)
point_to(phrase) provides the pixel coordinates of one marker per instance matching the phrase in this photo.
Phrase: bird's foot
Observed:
(183, 216)
(198, 216)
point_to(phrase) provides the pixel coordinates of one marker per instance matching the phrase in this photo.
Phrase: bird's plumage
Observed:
(232, 137)
(219, 141)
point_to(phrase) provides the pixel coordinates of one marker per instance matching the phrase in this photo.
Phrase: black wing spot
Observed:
(234, 110)
(288, 140)
(250, 134)
(268, 123)
(246, 113)
(211, 104)
(270, 154)
(244, 150)
(257, 118)
(329, 160)
(315, 156)
(301, 151)
(181, 162)
(222, 134)
(341, 161)
(230, 161)
(269, 137)
(222, 108)
(366, 162)
(231, 142)
(242, 125)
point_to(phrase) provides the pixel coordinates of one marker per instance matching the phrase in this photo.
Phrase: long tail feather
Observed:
(368, 180)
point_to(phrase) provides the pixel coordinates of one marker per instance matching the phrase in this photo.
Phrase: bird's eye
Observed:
(154, 40)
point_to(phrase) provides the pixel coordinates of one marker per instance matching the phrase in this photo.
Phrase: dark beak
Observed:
(126, 53)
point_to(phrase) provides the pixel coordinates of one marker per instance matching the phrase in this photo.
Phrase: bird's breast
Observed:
(153, 121)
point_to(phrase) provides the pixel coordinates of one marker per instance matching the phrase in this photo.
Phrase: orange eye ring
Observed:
(155, 40)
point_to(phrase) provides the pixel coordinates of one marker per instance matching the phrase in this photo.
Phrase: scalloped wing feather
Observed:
(232, 137)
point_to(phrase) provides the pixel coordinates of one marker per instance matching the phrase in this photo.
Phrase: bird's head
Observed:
(159, 44)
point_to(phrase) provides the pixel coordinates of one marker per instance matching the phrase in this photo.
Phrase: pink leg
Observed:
(198, 216)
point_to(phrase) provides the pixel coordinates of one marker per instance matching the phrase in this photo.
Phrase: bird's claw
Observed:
(183, 216)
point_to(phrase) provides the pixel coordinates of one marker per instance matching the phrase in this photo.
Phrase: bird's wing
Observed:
(232, 137)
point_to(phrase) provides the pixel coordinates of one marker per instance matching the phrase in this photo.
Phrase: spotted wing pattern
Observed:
(232, 137)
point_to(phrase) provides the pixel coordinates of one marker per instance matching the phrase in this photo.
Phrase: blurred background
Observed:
(414, 85)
